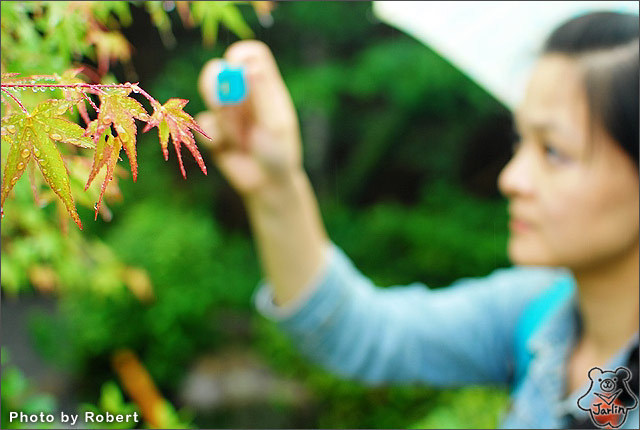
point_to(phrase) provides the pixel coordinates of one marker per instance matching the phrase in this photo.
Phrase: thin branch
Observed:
(16, 100)
(137, 89)
(93, 105)
(79, 85)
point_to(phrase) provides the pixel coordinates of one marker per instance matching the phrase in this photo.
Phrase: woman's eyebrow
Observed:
(539, 126)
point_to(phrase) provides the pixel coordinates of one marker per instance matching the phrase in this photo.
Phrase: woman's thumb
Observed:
(208, 121)
(267, 96)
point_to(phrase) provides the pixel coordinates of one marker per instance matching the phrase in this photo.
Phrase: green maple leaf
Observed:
(107, 153)
(171, 119)
(31, 140)
(117, 108)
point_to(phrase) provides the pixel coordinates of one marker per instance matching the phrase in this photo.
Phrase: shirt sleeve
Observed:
(458, 335)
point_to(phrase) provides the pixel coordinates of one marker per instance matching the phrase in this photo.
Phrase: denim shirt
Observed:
(448, 337)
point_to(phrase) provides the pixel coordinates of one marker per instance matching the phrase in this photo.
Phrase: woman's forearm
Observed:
(289, 235)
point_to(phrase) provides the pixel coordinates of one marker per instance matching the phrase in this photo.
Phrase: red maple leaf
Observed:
(171, 119)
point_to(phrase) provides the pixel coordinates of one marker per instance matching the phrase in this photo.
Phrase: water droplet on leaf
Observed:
(25, 153)
(56, 136)
(20, 165)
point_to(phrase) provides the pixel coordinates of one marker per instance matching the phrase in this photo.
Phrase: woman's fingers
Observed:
(207, 83)
(208, 121)
(267, 97)
(267, 94)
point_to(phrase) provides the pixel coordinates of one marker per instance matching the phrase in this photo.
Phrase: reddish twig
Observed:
(93, 105)
(136, 89)
(79, 85)
(16, 100)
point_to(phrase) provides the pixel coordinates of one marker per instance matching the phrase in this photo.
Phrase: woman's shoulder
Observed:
(517, 279)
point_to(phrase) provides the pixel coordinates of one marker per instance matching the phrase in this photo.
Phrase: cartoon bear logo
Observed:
(609, 398)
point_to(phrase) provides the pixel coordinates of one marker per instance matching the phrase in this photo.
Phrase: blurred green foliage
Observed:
(19, 395)
(111, 400)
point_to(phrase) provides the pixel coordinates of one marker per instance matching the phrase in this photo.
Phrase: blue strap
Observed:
(531, 320)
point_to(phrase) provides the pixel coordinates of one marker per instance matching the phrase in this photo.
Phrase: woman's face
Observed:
(572, 202)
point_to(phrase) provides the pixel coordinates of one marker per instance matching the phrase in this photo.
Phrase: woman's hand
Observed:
(256, 144)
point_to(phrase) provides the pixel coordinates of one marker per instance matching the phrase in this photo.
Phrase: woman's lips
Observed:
(519, 226)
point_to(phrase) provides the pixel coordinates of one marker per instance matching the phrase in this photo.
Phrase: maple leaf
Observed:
(110, 45)
(31, 140)
(171, 119)
(117, 108)
(107, 153)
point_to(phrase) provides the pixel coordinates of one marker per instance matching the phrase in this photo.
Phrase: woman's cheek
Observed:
(565, 223)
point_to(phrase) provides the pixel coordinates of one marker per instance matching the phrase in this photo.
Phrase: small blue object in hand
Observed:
(231, 88)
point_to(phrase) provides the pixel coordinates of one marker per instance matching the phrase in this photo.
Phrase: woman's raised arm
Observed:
(256, 145)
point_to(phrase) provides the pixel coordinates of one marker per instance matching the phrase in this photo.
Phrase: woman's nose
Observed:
(516, 177)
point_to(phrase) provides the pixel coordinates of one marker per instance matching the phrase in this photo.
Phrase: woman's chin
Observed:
(522, 253)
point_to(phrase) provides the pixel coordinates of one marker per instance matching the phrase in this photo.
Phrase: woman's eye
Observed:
(516, 142)
(554, 155)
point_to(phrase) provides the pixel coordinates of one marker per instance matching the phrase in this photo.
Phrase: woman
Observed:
(572, 186)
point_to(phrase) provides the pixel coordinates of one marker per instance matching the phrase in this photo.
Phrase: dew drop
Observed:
(25, 153)
(36, 151)
(44, 171)
(42, 161)
(20, 165)
(56, 136)
(14, 180)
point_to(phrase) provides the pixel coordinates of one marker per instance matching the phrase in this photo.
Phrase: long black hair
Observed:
(606, 44)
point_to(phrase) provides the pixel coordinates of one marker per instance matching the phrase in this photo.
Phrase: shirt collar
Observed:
(551, 345)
